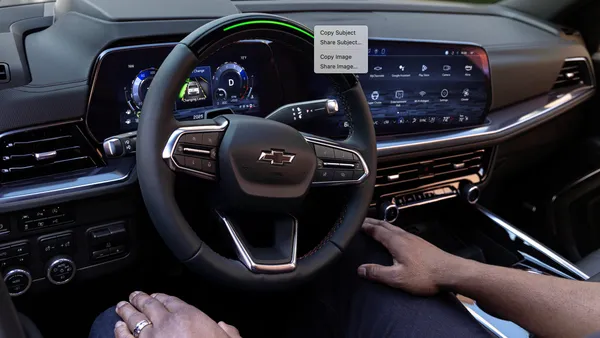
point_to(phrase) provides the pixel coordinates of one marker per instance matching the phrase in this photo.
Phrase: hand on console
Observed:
(544, 305)
(419, 267)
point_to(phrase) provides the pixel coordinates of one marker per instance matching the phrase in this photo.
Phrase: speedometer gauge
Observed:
(231, 82)
(140, 85)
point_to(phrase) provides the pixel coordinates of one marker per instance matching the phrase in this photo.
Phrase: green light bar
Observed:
(270, 22)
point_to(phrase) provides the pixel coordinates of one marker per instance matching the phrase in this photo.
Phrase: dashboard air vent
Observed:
(573, 73)
(4, 73)
(45, 151)
(408, 174)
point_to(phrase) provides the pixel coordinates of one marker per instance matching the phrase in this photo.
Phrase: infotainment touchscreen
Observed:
(415, 86)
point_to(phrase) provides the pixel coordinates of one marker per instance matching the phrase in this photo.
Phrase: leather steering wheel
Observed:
(257, 163)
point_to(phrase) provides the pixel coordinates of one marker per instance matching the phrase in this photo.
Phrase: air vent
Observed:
(408, 174)
(4, 73)
(45, 151)
(573, 73)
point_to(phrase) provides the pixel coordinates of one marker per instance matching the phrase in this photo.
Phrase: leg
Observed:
(350, 306)
(104, 325)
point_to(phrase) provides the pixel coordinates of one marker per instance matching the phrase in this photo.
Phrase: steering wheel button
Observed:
(342, 155)
(193, 163)
(179, 159)
(357, 174)
(195, 138)
(210, 139)
(342, 175)
(324, 175)
(324, 152)
(209, 166)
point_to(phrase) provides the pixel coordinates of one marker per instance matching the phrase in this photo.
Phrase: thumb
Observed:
(231, 331)
(376, 272)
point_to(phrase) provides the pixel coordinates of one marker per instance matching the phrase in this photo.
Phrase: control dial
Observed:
(60, 270)
(388, 211)
(231, 82)
(17, 281)
(140, 85)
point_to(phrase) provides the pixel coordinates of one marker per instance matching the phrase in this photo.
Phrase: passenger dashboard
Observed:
(74, 74)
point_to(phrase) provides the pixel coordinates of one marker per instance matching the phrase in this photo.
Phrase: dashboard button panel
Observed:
(107, 241)
(44, 217)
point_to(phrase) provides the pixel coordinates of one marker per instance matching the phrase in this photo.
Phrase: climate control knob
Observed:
(470, 193)
(388, 211)
(60, 270)
(17, 281)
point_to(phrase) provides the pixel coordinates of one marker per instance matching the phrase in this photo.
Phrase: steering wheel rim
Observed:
(157, 179)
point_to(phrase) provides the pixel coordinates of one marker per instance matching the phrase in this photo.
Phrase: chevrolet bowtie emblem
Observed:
(276, 157)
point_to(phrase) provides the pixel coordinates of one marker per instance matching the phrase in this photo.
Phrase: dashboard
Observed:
(446, 85)
(410, 87)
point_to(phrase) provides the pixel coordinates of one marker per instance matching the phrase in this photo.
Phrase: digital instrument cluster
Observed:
(229, 80)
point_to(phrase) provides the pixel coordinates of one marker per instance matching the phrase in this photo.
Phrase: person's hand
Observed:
(170, 317)
(419, 267)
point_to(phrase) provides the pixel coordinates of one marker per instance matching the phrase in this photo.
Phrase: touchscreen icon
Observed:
(377, 68)
(444, 93)
(423, 68)
(375, 95)
(468, 68)
(399, 94)
(447, 68)
(466, 92)
(401, 67)
(422, 93)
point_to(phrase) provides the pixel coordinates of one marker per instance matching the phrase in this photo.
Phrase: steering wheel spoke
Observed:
(337, 163)
(193, 147)
(277, 257)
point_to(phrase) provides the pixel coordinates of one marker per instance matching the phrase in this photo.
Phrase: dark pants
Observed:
(348, 306)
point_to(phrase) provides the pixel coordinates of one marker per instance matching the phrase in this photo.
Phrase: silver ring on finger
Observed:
(140, 326)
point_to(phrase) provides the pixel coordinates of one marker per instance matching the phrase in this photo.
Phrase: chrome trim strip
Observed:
(491, 130)
(431, 200)
(246, 258)
(197, 151)
(169, 149)
(536, 261)
(533, 243)
(332, 144)
(485, 323)
(333, 164)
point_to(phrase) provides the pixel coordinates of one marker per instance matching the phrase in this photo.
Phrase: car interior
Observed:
(197, 148)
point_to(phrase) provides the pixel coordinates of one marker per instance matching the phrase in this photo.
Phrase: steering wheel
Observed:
(258, 164)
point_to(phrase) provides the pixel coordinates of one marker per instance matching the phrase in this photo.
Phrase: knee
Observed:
(104, 325)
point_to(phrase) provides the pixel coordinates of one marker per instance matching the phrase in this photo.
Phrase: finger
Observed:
(149, 306)
(121, 330)
(385, 224)
(130, 315)
(376, 272)
(231, 331)
(171, 303)
(379, 233)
